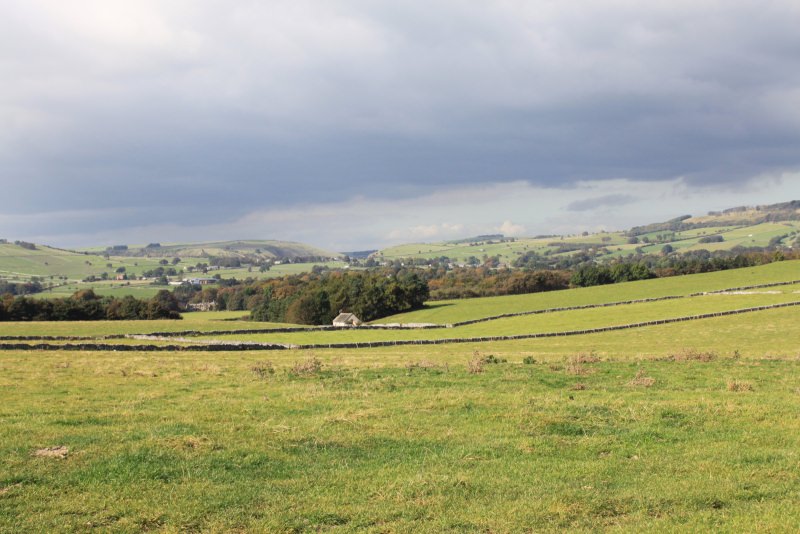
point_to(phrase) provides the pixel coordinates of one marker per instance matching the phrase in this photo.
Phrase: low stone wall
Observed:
(241, 346)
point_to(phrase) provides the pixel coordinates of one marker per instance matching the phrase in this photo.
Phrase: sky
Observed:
(356, 124)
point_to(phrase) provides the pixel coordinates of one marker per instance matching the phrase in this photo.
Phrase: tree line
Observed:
(316, 298)
(20, 288)
(85, 305)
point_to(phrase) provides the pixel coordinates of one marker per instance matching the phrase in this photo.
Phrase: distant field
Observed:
(276, 271)
(756, 235)
(450, 311)
(17, 263)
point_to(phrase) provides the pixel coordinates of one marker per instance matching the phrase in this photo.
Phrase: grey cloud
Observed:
(607, 201)
(197, 110)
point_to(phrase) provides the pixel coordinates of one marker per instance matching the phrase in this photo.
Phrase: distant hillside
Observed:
(775, 225)
(478, 238)
(65, 271)
(264, 249)
(25, 261)
(739, 216)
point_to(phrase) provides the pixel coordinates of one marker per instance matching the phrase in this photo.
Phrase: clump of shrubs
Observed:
(529, 360)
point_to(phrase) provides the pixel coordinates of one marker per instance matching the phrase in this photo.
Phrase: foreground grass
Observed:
(202, 442)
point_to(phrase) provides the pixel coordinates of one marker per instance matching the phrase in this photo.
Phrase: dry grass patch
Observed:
(640, 380)
(478, 361)
(475, 365)
(739, 386)
(310, 366)
(7, 489)
(60, 452)
(585, 357)
(692, 355)
(422, 364)
(190, 443)
(576, 363)
(263, 370)
(574, 368)
(210, 368)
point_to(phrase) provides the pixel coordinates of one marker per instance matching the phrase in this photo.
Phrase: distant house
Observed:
(201, 281)
(347, 319)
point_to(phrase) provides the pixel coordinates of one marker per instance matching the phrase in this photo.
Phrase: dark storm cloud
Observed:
(607, 201)
(188, 110)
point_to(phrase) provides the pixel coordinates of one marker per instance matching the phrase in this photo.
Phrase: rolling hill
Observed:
(760, 226)
(265, 249)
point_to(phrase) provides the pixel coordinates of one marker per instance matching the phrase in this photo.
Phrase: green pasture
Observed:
(684, 427)
(277, 271)
(532, 324)
(751, 236)
(405, 441)
(451, 311)
(202, 321)
(17, 263)
(460, 252)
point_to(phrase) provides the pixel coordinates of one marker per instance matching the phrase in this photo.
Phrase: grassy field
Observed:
(17, 263)
(682, 427)
(450, 311)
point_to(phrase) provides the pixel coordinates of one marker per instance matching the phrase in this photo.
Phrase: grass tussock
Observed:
(479, 361)
(585, 357)
(693, 355)
(529, 360)
(738, 386)
(574, 368)
(262, 370)
(640, 380)
(191, 443)
(475, 365)
(576, 364)
(423, 365)
(308, 367)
